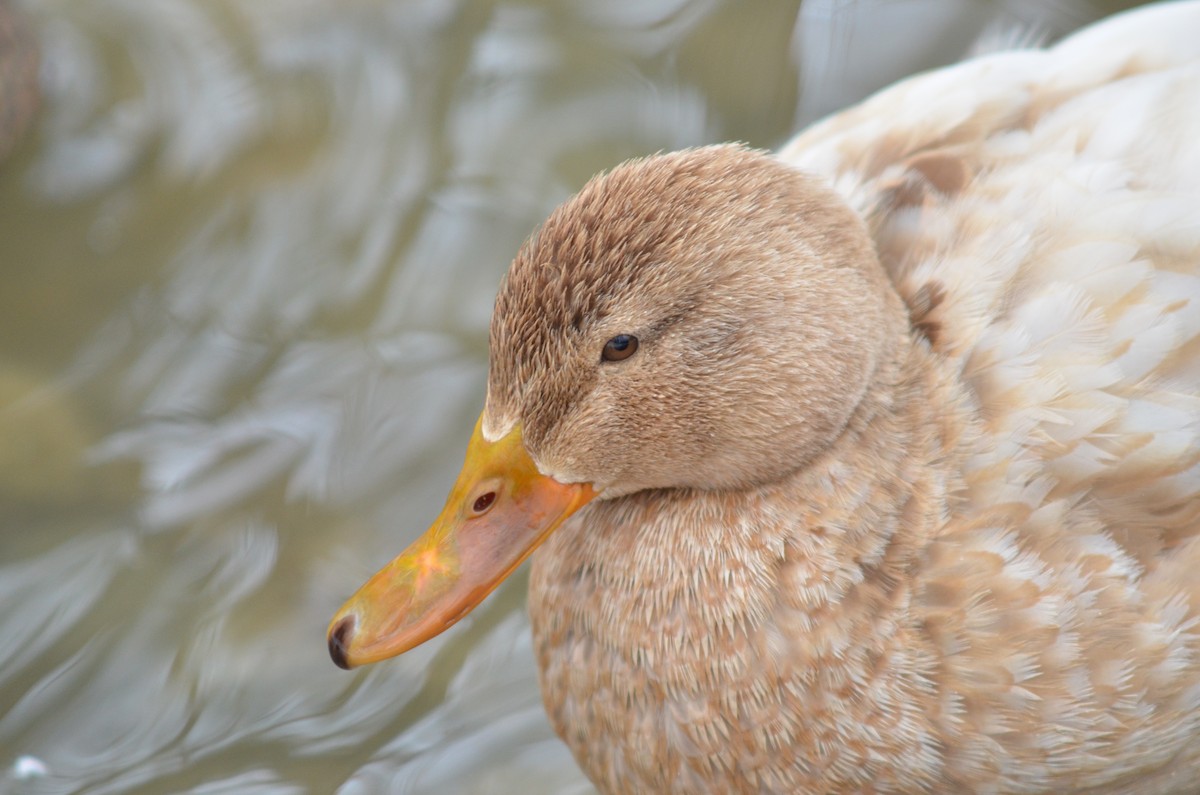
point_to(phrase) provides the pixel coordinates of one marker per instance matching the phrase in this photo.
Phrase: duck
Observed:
(868, 466)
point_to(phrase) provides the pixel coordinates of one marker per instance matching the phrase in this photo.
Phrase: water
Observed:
(248, 255)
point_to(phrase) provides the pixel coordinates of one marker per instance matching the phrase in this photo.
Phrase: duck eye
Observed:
(483, 502)
(619, 347)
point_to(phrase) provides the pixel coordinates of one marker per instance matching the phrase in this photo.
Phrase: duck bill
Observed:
(500, 509)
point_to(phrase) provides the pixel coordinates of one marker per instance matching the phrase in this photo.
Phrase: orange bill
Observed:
(500, 509)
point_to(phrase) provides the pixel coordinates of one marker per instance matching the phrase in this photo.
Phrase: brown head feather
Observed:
(687, 252)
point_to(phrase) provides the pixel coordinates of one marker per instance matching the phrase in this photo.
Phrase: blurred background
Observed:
(248, 251)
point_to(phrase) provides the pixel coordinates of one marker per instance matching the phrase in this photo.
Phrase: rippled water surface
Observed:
(248, 254)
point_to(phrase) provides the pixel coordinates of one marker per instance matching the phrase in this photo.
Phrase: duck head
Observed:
(706, 319)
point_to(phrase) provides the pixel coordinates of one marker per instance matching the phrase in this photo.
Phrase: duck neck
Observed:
(864, 509)
(727, 603)
(824, 549)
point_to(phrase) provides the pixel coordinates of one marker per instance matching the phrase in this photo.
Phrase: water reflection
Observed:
(249, 254)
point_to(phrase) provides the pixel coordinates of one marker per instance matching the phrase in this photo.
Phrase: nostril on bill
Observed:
(339, 637)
